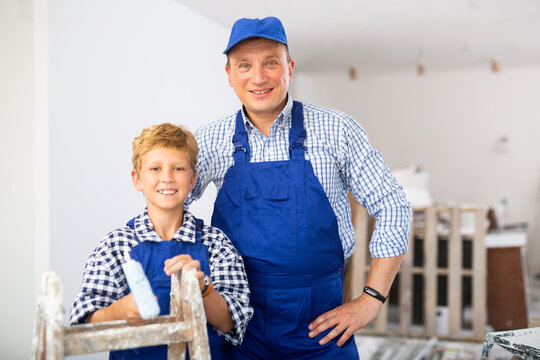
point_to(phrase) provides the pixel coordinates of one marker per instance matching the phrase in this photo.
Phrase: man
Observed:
(283, 170)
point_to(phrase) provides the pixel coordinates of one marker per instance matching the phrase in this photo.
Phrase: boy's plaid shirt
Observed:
(104, 281)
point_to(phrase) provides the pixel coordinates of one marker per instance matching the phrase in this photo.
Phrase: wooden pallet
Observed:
(430, 233)
(185, 325)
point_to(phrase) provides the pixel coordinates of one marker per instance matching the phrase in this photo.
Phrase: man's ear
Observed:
(291, 68)
(137, 182)
(229, 75)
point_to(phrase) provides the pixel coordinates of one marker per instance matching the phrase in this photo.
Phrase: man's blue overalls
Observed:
(280, 220)
(152, 256)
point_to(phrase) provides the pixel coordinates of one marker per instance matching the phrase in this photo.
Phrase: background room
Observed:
(447, 91)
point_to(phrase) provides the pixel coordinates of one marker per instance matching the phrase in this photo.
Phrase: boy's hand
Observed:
(123, 309)
(128, 310)
(183, 261)
(180, 262)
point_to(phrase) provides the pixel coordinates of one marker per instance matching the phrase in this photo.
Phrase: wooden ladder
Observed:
(186, 324)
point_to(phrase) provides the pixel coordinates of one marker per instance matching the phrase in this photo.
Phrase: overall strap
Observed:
(131, 224)
(297, 133)
(198, 229)
(240, 141)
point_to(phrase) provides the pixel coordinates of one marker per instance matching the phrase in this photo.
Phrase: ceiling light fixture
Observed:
(495, 66)
(420, 68)
(352, 73)
(420, 65)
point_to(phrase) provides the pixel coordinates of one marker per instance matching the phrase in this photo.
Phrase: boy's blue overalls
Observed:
(280, 220)
(152, 256)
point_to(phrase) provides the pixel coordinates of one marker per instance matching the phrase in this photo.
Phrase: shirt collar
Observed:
(145, 229)
(280, 120)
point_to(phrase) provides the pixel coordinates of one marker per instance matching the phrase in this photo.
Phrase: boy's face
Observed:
(165, 178)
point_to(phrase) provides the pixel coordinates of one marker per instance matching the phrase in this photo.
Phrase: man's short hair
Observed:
(164, 135)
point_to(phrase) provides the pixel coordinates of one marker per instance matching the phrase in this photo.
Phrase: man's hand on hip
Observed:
(347, 319)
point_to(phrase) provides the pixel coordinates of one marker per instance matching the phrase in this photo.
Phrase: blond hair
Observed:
(164, 135)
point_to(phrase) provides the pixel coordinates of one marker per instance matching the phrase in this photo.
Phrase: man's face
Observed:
(260, 73)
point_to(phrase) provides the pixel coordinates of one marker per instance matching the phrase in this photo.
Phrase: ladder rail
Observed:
(185, 325)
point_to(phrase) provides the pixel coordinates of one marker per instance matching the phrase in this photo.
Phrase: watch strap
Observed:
(207, 286)
(374, 293)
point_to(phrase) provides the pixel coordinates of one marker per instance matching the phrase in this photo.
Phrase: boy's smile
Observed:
(165, 178)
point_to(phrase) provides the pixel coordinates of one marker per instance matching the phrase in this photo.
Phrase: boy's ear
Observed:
(136, 180)
(192, 183)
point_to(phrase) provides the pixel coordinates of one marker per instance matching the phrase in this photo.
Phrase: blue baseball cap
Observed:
(269, 28)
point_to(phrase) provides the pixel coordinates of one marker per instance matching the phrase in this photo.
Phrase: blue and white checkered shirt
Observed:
(342, 159)
(104, 281)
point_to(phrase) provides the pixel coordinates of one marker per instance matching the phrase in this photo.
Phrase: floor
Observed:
(399, 348)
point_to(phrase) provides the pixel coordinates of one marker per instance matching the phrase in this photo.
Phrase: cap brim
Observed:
(253, 36)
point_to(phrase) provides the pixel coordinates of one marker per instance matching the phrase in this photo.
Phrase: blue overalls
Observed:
(152, 256)
(280, 220)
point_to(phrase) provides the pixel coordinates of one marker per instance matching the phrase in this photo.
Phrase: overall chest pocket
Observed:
(162, 289)
(269, 221)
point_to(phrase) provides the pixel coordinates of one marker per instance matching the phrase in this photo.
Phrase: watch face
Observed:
(205, 279)
(374, 293)
(370, 292)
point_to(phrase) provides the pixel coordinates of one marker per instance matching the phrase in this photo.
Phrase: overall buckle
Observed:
(239, 148)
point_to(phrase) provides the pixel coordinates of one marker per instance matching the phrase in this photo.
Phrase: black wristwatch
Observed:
(374, 293)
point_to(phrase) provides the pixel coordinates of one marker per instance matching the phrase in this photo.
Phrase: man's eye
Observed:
(244, 66)
(271, 62)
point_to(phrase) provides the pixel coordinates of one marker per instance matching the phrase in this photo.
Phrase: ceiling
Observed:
(395, 35)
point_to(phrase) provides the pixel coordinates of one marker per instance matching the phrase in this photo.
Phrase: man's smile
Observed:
(260, 92)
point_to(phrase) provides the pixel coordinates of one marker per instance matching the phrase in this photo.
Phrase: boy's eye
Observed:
(178, 169)
(154, 169)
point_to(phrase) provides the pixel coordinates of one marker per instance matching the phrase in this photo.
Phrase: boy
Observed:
(166, 238)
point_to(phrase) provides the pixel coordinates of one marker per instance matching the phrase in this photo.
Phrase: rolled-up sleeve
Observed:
(103, 283)
(230, 280)
(371, 183)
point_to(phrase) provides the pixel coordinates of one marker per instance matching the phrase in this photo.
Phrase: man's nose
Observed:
(259, 75)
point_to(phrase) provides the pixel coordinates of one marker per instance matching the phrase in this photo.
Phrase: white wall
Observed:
(23, 184)
(449, 123)
(17, 180)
